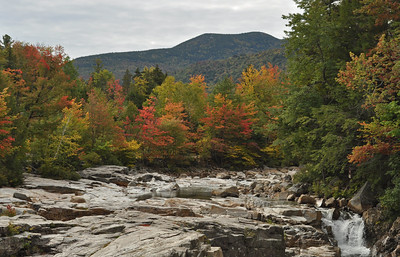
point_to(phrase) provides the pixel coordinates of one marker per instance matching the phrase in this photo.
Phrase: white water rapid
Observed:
(348, 230)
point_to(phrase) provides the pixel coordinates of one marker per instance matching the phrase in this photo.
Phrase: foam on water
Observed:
(348, 230)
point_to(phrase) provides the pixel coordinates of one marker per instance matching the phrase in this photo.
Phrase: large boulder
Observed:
(389, 244)
(375, 224)
(225, 192)
(363, 199)
(242, 238)
(108, 174)
(298, 189)
(306, 199)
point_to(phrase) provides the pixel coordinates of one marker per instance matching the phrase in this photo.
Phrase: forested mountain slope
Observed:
(206, 47)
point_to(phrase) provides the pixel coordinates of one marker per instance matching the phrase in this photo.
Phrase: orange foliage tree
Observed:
(377, 77)
(227, 130)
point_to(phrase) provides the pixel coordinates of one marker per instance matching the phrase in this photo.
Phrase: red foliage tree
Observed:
(147, 131)
(5, 126)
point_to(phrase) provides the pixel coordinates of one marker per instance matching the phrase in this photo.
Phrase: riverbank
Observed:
(115, 211)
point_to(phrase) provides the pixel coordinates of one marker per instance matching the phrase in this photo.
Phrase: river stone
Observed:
(291, 197)
(238, 239)
(342, 202)
(363, 199)
(108, 174)
(321, 251)
(320, 203)
(336, 214)
(58, 213)
(306, 199)
(313, 217)
(298, 189)
(223, 175)
(375, 228)
(77, 199)
(225, 192)
(215, 252)
(331, 203)
(226, 222)
(22, 196)
(389, 243)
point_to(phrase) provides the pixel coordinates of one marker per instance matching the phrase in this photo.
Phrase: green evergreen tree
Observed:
(319, 123)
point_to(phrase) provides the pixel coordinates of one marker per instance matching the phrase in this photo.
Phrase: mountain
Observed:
(206, 47)
(217, 70)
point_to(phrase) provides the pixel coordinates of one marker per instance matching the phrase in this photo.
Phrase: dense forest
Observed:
(334, 111)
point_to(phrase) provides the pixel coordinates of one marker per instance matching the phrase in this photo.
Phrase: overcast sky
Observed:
(86, 27)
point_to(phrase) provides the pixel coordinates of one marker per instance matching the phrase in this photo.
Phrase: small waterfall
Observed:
(348, 230)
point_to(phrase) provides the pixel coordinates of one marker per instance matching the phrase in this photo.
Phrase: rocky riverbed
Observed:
(115, 211)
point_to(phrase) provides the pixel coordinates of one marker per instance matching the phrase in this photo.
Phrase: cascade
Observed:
(348, 230)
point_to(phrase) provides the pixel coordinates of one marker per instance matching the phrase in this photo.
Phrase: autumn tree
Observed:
(65, 152)
(174, 122)
(193, 96)
(319, 122)
(38, 92)
(7, 175)
(104, 133)
(264, 89)
(377, 78)
(147, 130)
(5, 126)
(226, 132)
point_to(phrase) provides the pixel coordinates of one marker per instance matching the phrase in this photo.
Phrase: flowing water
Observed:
(348, 230)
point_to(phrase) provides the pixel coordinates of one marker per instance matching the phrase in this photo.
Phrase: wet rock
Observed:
(291, 197)
(342, 202)
(336, 214)
(313, 217)
(149, 177)
(215, 252)
(298, 189)
(258, 188)
(321, 251)
(320, 203)
(306, 199)
(389, 243)
(304, 237)
(223, 175)
(230, 191)
(363, 199)
(22, 196)
(77, 199)
(97, 217)
(375, 224)
(107, 174)
(331, 203)
(58, 213)
(281, 196)
(238, 239)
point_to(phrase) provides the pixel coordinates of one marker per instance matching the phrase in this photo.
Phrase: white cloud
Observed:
(99, 26)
